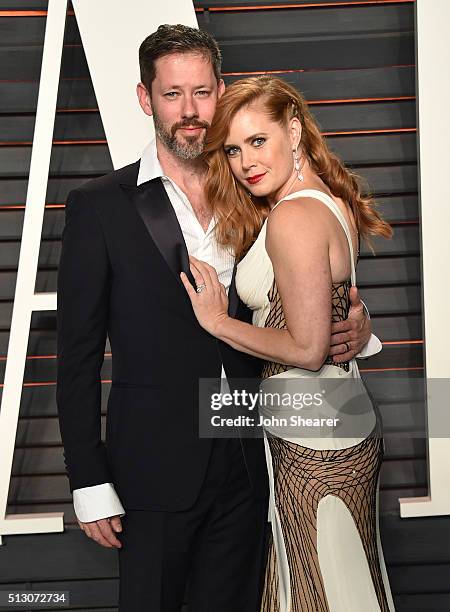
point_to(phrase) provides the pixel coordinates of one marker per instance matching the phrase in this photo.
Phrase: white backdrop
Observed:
(111, 32)
(433, 95)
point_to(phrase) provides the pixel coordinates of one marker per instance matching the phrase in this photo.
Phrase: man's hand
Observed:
(349, 336)
(103, 531)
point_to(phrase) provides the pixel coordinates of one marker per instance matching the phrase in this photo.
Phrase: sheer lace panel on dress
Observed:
(303, 476)
(340, 305)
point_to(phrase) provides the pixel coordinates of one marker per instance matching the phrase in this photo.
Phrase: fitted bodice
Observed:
(254, 278)
(256, 284)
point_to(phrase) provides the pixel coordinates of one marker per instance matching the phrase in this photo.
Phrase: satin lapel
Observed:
(233, 298)
(157, 213)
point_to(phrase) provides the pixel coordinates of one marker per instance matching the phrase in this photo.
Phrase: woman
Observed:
(271, 175)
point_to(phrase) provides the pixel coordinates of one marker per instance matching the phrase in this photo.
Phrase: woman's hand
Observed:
(210, 301)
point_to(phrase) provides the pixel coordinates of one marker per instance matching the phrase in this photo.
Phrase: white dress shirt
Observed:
(101, 501)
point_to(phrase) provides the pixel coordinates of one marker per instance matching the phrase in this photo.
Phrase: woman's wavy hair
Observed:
(240, 216)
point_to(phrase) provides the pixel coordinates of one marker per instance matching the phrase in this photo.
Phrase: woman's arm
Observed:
(298, 245)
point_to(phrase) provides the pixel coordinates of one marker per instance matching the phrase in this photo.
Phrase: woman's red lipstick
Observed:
(255, 178)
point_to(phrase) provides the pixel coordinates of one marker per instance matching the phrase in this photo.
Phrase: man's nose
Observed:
(189, 108)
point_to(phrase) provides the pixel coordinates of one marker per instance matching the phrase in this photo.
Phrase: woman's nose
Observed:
(247, 160)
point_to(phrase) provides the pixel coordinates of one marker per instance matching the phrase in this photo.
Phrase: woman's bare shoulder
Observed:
(302, 216)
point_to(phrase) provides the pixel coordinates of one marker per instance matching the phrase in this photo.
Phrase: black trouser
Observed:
(216, 547)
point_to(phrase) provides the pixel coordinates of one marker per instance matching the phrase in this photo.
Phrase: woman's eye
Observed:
(231, 151)
(259, 141)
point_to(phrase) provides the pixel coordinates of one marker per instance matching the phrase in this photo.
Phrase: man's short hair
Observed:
(176, 39)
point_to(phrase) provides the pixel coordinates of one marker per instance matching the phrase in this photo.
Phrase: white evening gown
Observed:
(326, 553)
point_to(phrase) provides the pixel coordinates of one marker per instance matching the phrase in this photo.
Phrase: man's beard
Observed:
(190, 147)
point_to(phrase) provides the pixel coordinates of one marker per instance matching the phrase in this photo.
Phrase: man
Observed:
(192, 508)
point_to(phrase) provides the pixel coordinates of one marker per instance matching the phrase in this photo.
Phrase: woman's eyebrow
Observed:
(248, 139)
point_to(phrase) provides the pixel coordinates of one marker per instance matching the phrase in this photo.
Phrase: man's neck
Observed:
(184, 172)
(188, 175)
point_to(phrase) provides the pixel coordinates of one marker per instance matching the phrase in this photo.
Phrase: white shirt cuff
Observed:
(373, 347)
(96, 502)
(366, 310)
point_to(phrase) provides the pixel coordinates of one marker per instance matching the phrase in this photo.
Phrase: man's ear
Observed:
(144, 99)
(220, 88)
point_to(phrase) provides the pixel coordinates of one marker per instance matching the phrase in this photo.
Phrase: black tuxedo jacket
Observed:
(122, 253)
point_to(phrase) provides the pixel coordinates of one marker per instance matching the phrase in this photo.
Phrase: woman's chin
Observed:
(259, 192)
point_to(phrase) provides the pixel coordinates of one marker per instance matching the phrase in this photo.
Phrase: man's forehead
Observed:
(184, 68)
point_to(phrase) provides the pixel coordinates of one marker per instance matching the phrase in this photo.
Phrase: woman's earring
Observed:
(297, 166)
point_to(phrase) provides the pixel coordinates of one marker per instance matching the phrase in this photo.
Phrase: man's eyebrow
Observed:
(195, 87)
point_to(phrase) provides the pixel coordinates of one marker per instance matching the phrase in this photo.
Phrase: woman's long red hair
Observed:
(239, 216)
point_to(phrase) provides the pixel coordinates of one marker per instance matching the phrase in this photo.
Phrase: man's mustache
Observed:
(189, 123)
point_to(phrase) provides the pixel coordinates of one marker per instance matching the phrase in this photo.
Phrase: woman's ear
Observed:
(295, 132)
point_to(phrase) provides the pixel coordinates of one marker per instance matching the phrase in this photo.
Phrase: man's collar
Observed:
(149, 167)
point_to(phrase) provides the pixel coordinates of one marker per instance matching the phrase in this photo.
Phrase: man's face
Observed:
(183, 101)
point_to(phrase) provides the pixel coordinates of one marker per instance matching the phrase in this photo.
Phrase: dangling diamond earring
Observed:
(297, 166)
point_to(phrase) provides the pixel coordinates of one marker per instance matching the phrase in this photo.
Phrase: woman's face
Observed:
(259, 151)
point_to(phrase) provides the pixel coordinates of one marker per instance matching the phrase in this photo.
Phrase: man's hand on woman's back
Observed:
(348, 337)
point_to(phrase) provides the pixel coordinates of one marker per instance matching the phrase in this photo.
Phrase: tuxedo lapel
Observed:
(156, 211)
(233, 298)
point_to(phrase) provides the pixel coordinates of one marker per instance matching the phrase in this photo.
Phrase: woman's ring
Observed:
(200, 288)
